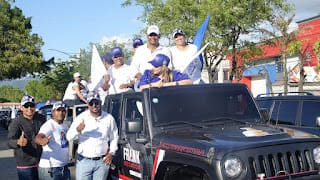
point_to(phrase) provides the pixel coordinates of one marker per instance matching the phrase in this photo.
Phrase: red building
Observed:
(255, 77)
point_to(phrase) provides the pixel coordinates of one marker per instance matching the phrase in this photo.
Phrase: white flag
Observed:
(98, 69)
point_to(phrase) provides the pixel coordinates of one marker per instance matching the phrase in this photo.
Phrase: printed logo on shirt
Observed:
(64, 141)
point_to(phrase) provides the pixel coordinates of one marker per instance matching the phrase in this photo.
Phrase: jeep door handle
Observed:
(123, 141)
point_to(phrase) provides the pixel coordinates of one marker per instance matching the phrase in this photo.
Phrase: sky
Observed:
(68, 25)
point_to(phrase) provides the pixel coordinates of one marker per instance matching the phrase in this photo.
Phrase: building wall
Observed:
(309, 33)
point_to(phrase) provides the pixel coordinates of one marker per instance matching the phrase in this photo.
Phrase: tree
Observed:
(20, 50)
(10, 94)
(316, 47)
(40, 91)
(230, 19)
(281, 37)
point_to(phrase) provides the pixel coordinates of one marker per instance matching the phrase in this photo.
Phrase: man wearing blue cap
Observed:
(52, 137)
(122, 76)
(160, 75)
(21, 133)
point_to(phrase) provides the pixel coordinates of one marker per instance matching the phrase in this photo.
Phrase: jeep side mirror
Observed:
(134, 126)
(318, 121)
(265, 114)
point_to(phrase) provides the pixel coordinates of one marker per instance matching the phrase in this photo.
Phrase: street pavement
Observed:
(7, 161)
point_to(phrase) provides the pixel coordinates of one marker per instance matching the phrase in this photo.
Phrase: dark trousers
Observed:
(28, 173)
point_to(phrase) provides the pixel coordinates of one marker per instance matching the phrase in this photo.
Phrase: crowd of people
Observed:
(41, 147)
(182, 65)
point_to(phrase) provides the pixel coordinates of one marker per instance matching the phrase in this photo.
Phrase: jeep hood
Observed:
(231, 137)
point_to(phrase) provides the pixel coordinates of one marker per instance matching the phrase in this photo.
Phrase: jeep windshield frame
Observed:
(202, 104)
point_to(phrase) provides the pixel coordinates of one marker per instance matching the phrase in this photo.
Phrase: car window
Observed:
(310, 112)
(265, 103)
(114, 108)
(284, 112)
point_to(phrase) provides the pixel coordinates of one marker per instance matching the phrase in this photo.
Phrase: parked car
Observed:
(299, 110)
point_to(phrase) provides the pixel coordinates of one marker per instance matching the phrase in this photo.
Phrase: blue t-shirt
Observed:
(147, 77)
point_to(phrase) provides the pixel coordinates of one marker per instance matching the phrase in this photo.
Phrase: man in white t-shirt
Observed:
(52, 137)
(122, 76)
(148, 51)
(183, 57)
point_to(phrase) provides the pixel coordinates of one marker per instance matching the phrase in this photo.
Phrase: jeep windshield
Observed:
(202, 104)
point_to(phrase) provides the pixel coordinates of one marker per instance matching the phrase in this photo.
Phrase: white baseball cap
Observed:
(77, 74)
(153, 29)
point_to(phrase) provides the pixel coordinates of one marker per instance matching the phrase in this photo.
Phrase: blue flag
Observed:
(198, 38)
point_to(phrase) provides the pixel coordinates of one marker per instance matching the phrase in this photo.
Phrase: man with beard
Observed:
(148, 51)
(52, 137)
(98, 140)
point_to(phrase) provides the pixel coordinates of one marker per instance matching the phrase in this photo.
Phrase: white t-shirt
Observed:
(143, 55)
(70, 93)
(124, 74)
(183, 61)
(55, 153)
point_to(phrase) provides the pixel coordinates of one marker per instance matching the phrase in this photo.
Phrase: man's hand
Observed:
(124, 86)
(22, 141)
(107, 77)
(108, 159)
(81, 126)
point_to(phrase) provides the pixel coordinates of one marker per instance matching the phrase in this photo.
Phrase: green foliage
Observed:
(229, 19)
(316, 47)
(20, 51)
(40, 91)
(294, 47)
(10, 94)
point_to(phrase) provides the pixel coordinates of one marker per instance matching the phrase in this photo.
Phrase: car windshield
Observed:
(201, 105)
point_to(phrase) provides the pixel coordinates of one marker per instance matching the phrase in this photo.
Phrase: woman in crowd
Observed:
(160, 75)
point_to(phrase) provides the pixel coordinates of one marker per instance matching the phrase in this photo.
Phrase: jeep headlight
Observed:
(316, 154)
(233, 167)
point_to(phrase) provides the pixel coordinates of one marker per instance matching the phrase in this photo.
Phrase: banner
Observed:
(98, 69)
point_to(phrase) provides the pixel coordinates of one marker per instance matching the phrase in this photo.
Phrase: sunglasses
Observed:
(94, 102)
(117, 56)
(31, 105)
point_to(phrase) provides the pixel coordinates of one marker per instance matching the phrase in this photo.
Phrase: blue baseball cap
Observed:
(116, 51)
(137, 42)
(159, 60)
(107, 58)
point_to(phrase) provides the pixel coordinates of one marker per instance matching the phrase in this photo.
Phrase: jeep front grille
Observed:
(275, 164)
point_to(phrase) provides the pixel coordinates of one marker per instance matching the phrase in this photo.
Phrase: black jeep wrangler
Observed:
(205, 132)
